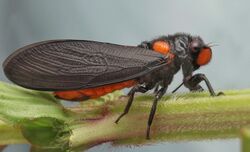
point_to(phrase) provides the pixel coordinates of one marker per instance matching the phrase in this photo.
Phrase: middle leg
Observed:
(158, 96)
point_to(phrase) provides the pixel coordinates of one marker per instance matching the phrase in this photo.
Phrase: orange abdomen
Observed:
(84, 94)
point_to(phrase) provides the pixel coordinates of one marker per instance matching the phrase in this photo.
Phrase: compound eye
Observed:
(204, 56)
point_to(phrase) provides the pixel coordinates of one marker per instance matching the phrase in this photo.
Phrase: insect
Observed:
(78, 70)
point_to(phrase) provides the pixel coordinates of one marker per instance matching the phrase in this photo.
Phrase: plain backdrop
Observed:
(129, 22)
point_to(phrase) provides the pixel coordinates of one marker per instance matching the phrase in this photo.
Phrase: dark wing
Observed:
(78, 64)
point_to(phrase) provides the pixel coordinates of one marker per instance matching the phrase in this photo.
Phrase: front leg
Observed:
(192, 81)
(193, 84)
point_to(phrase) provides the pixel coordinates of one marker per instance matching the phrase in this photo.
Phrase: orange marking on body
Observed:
(127, 83)
(170, 57)
(87, 92)
(99, 91)
(92, 93)
(118, 86)
(204, 56)
(161, 47)
(68, 95)
(108, 89)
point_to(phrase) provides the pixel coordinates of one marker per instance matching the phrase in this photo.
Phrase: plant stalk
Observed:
(193, 116)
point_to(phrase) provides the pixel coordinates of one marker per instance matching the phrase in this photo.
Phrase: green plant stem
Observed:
(39, 118)
(10, 134)
(193, 116)
(245, 139)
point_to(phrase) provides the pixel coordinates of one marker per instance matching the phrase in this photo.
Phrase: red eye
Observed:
(204, 56)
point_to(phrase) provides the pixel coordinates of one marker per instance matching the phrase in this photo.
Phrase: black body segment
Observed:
(78, 64)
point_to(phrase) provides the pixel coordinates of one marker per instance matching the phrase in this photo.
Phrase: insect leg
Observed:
(177, 87)
(158, 96)
(197, 78)
(156, 88)
(131, 94)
